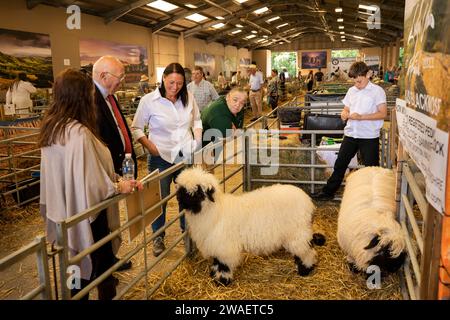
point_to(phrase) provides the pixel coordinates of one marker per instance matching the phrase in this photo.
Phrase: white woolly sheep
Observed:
(367, 229)
(225, 225)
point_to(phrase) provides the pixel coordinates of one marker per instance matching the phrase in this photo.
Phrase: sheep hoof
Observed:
(318, 239)
(304, 271)
(222, 281)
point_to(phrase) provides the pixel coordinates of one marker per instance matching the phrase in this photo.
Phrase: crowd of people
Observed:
(85, 138)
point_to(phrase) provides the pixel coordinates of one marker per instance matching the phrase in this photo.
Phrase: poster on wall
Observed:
(314, 59)
(133, 57)
(373, 62)
(206, 61)
(426, 86)
(230, 66)
(244, 62)
(340, 67)
(27, 52)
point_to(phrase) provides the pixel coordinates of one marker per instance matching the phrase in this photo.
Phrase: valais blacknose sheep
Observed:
(262, 221)
(367, 229)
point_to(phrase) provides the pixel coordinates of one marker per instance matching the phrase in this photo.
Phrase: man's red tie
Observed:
(121, 124)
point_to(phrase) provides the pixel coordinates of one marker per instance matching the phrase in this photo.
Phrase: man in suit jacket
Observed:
(108, 73)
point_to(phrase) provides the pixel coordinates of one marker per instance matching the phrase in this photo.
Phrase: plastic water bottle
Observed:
(128, 168)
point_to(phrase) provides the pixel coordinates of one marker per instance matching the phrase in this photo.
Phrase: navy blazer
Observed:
(109, 132)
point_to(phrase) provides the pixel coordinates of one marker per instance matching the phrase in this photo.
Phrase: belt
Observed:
(255, 90)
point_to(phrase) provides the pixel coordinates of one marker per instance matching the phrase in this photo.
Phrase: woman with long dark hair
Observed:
(77, 173)
(171, 114)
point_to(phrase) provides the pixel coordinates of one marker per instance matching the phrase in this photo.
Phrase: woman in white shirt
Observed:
(170, 113)
(19, 94)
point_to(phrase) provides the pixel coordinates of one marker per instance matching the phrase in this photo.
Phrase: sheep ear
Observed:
(373, 243)
(209, 194)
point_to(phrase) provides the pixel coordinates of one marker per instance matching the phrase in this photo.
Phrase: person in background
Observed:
(225, 113)
(108, 73)
(364, 110)
(272, 91)
(77, 173)
(309, 81)
(171, 114)
(208, 76)
(234, 81)
(221, 80)
(144, 86)
(202, 90)
(256, 83)
(238, 78)
(318, 77)
(19, 94)
(283, 83)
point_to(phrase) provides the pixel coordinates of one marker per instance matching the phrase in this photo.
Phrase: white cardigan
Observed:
(75, 177)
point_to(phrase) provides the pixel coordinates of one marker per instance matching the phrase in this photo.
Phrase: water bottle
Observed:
(128, 168)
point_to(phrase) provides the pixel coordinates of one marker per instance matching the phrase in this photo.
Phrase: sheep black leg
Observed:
(222, 272)
(302, 269)
(214, 268)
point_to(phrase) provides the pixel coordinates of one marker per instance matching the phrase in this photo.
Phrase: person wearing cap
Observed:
(256, 82)
(144, 87)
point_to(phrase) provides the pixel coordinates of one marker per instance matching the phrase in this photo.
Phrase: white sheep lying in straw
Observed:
(262, 221)
(367, 230)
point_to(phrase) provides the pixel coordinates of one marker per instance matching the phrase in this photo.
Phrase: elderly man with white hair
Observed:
(108, 73)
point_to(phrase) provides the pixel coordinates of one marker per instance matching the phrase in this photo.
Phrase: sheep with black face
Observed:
(262, 221)
(367, 229)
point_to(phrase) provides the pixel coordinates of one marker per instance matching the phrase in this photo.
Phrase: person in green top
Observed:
(224, 114)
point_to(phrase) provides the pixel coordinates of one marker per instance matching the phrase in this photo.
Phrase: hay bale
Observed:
(289, 157)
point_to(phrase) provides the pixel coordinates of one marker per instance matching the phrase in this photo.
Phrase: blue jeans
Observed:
(156, 162)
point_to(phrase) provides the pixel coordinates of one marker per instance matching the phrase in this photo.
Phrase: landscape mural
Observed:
(27, 52)
(133, 57)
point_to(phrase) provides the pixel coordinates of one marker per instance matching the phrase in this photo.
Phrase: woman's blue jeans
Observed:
(156, 162)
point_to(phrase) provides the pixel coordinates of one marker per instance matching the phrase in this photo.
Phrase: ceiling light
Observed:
(220, 18)
(341, 27)
(371, 8)
(250, 36)
(343, 40)
(260, 40)
(343, 36)
(342, 32)
(236, 31)
(196, 17)
(162, 5)
(254, 31)
(265, 36)
(273, 19)
(239, 26)
(241, 1)
(281, 42)
(219, 25)
(340, 20)
(338, 10)
(261, 10)
(191, 6)
(282, 25)
(358, 37)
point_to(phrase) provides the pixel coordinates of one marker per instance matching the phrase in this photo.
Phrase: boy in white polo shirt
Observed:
(364, 110)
